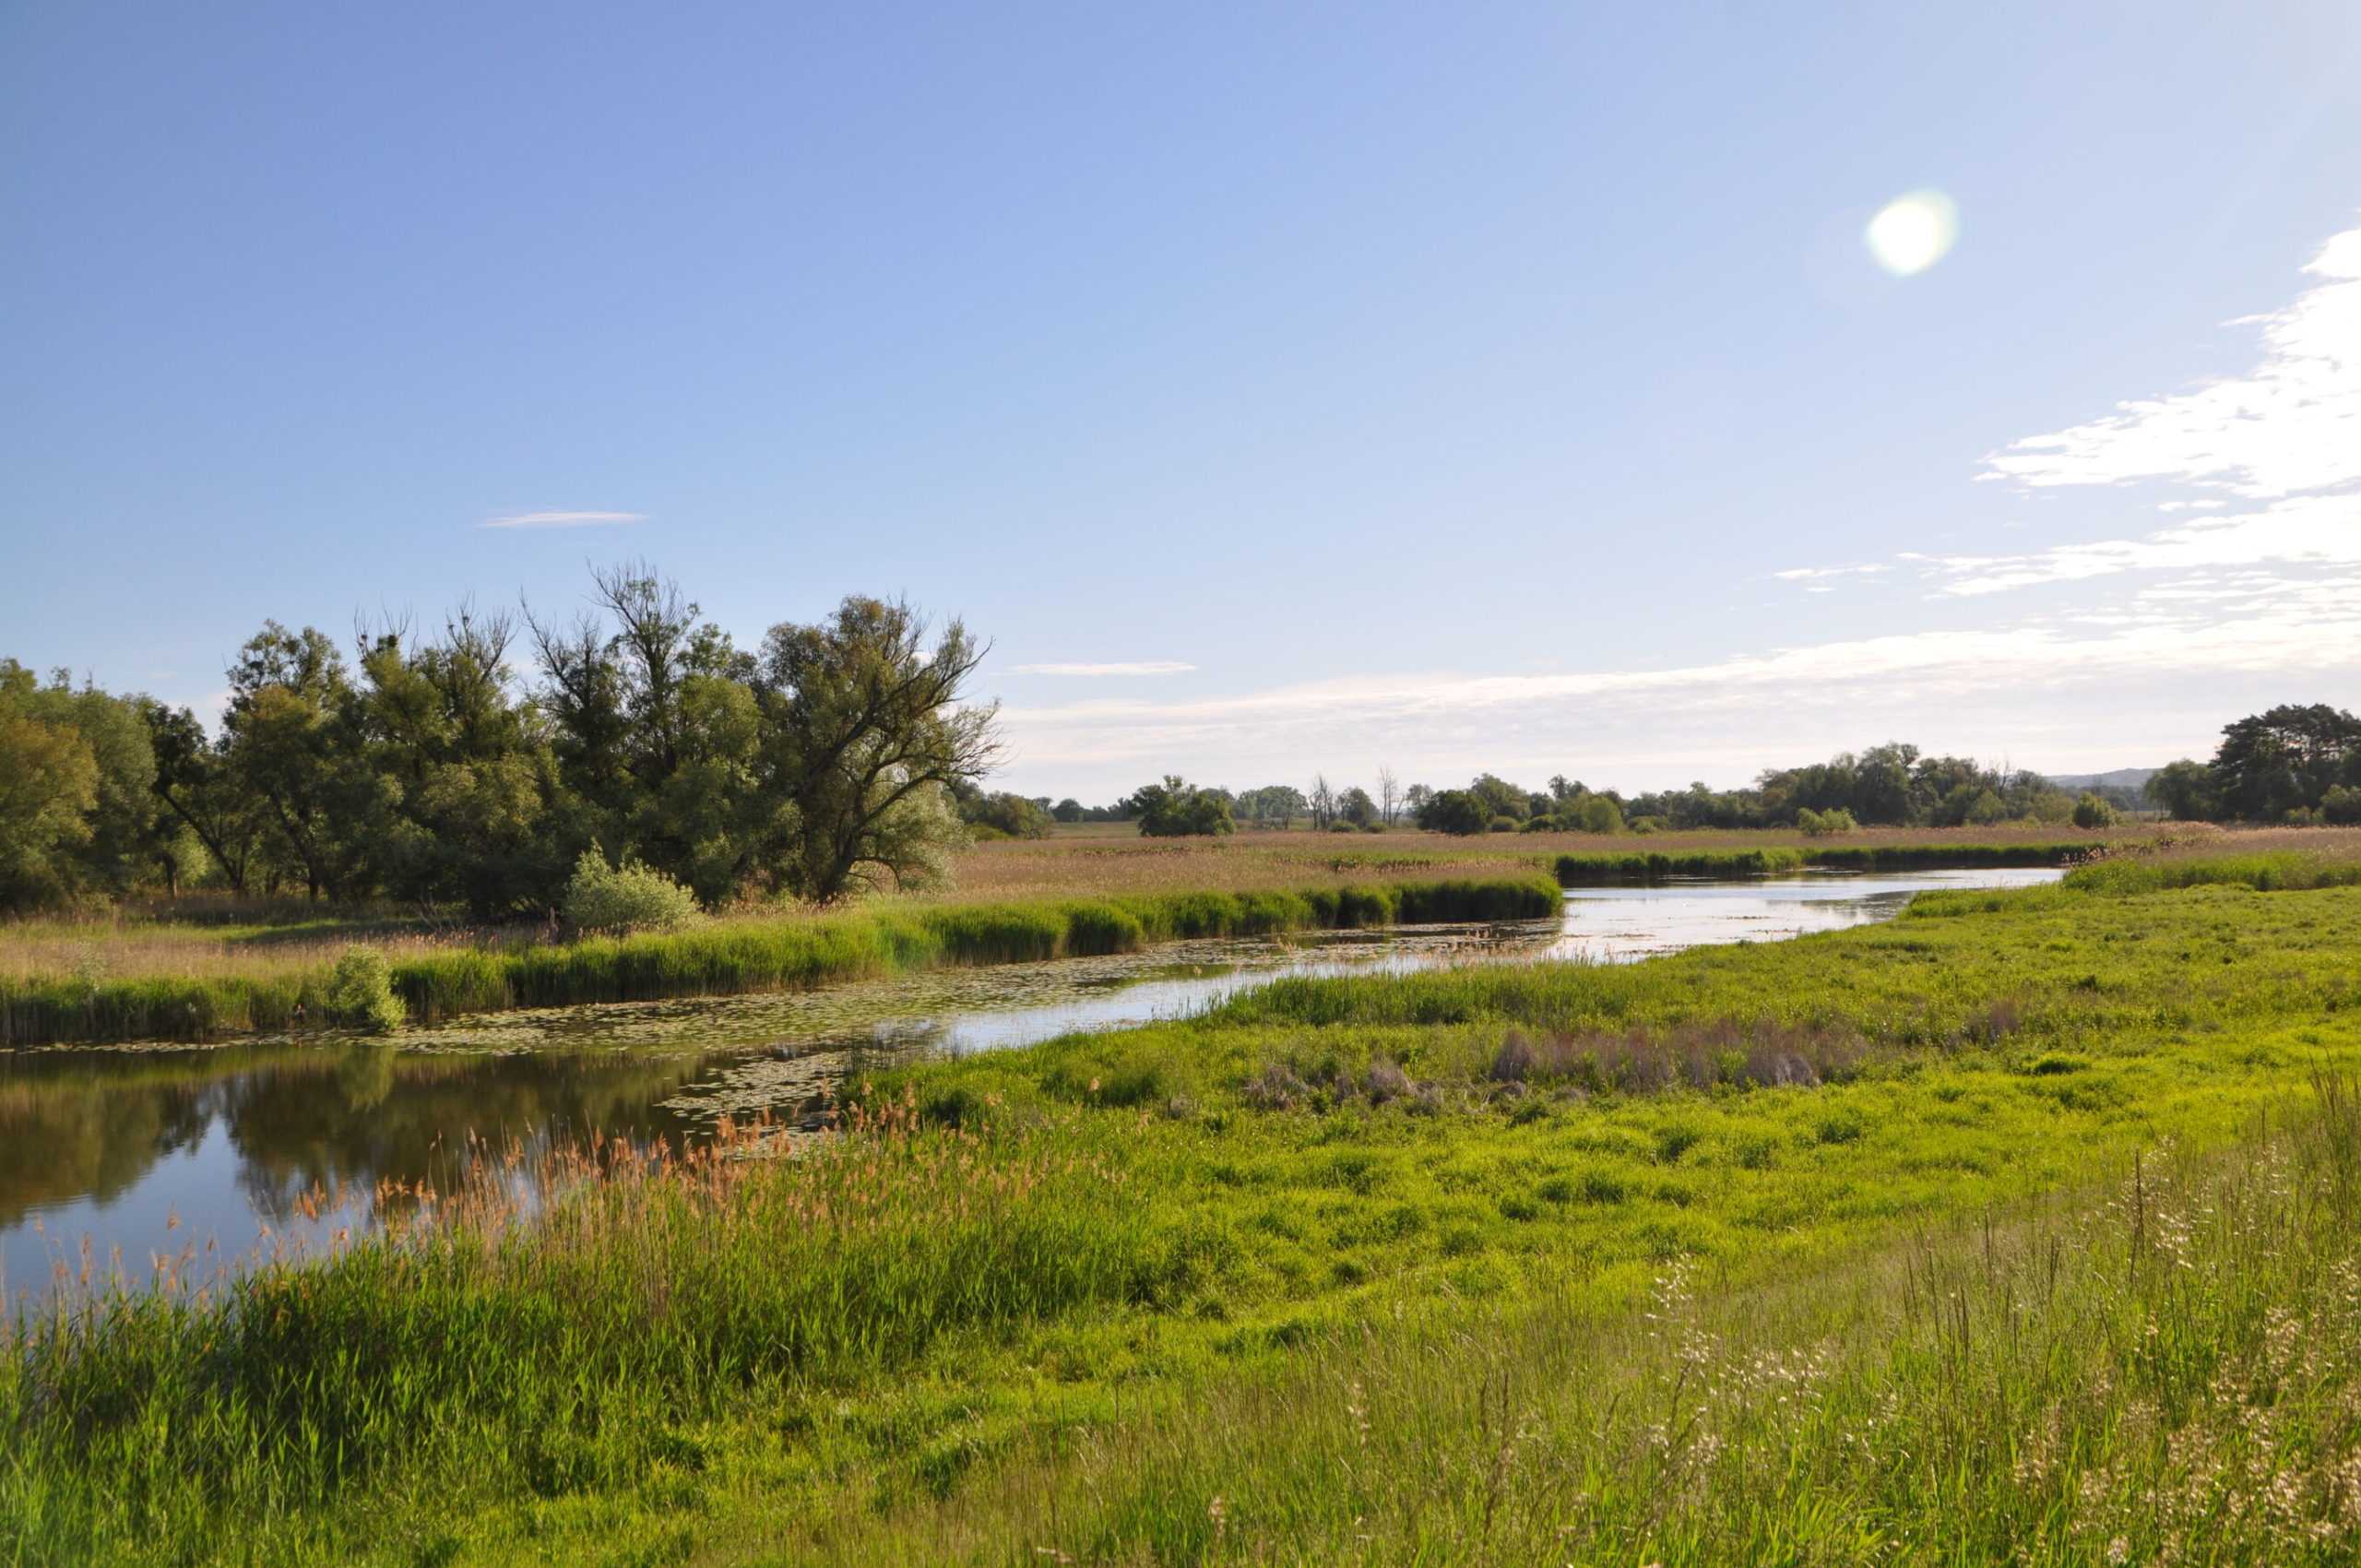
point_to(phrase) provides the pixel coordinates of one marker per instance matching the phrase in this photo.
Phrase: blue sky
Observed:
(1443, 388)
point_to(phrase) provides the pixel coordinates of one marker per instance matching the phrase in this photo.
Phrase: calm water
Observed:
(131, 1153)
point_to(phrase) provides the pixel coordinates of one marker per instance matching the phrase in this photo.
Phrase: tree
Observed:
(1455, 811)
(1176, 809)
(1389, 796)
(2185, 788)
(1003, 814)
(49, 784)
(1067, 809)
(289, 743)
(2093, 812)
(195, 783)
(1356, 807)
(1321, 802)
(1500, 798)
(2283, 760)
(868, 735)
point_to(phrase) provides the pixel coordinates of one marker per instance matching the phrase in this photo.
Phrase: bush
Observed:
(360, 993)
(2342, 806)
(627, 897)
(2093, 812)
(1596, 813)
(1820, 824)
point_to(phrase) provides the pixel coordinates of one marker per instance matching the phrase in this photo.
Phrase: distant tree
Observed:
(1356, 807)
(2185, 788)
(2092, 811)
(49, 784)
(1455, 811)
(1821, 824)
(1067, 809)
(2286, 759)
(291, 743)
(867, 735)
(1389, 796)
(1003, 814)
(1596, 813)
(1500, 798)
(195, 783)
(1272, 804)
(1321, 802)
(1176, 809)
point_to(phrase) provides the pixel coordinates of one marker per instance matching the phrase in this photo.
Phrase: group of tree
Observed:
(828, 759)
(2290, 765)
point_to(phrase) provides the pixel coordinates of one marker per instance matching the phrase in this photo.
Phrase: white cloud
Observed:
(561, 520)
(2323, 529)
(2292, 424)
(1149, 667)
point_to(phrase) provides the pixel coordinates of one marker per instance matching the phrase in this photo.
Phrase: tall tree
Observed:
(868, 735)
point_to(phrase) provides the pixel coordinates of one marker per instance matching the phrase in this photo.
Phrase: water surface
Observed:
(135, 1153)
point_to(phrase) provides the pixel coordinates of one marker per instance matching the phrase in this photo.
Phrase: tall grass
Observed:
(736, 957)
(2157, 1371)
(2276, 871)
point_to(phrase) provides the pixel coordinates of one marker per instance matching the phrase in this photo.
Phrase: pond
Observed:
(112, 1158)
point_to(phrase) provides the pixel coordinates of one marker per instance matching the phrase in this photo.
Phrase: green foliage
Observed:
(1004, 816)
(1823, 825)
(361, 992)
(602, 898)
(2093, 812)
(1178, 809)
(1457, 812)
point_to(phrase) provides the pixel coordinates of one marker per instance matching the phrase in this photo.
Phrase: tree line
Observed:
(1893, 785)
(828, 759)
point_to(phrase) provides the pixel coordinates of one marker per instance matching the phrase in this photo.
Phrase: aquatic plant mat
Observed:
(2021, 1229)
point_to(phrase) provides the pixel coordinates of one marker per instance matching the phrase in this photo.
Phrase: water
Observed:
(212, 1153)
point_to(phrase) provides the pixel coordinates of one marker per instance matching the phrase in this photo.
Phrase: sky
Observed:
(1278, 387)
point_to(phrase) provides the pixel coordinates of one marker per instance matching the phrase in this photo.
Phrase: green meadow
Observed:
(2021, 1228)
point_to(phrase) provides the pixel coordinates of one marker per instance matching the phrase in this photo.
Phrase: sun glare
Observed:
(1914, 232)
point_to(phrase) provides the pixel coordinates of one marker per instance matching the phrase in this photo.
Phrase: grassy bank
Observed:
(1598, 866)
(728, 957)
(1353, 1270)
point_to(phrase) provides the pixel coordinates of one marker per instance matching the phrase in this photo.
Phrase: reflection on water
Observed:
(161, 1151)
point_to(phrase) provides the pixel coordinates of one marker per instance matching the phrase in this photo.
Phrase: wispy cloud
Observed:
(1823, 579)
(561, 520)
(2291, 425)
(1148, 667)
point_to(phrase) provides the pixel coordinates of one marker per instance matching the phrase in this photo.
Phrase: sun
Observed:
(1912, 233)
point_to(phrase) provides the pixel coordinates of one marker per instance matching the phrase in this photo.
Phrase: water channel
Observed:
(118, 1156)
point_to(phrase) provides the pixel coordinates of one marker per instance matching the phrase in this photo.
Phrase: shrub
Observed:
(627, 897)
(1820, 824)
(2341, 805)
(361, 992)
(2093, 812)
(1596, 813)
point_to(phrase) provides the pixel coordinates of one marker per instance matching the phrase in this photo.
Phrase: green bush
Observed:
(627, 897)
(1820, 824)
(361, 992)
(2093, 812)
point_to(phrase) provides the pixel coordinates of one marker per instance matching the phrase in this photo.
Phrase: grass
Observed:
(726, 957)
(1358, 1270)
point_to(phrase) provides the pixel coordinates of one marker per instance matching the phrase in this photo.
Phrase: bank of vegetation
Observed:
(733, 957)
(2019, 1229)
